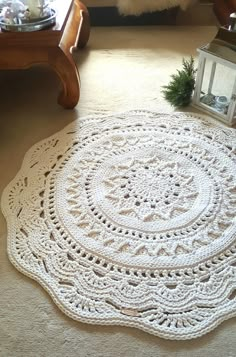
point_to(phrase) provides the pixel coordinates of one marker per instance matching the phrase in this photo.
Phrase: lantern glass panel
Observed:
(217, 86)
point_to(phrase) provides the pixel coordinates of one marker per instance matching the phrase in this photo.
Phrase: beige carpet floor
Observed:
(121, 69)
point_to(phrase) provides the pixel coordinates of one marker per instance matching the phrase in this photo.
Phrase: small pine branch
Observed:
(179, 91)
(188, 66)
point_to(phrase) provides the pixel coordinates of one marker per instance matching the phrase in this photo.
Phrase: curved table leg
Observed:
(84, 30)
(63, 64)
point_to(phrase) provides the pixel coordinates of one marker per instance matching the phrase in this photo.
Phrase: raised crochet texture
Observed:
(130, 220)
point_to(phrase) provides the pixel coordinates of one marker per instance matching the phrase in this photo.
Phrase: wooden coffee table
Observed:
(53, 47)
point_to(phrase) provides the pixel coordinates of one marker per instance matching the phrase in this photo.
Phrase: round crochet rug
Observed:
(130, 220)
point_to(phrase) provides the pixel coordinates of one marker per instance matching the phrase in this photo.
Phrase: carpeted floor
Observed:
(121, 69)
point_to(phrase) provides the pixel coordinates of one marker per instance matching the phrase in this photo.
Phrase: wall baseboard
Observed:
(109, 16)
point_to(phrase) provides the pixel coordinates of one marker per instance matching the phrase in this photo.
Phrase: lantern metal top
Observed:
(223, 45)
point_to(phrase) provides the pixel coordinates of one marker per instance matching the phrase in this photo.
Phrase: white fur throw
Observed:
(137, 7)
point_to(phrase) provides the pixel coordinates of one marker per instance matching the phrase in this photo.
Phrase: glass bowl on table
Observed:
(26, 15)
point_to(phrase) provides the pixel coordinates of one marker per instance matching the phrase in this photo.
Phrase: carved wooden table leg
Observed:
(76, 34)
(84, 26)
(63, 65)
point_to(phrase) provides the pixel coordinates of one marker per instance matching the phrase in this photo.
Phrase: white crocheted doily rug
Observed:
(130, 220)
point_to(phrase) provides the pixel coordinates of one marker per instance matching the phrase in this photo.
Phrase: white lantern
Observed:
(215, 88)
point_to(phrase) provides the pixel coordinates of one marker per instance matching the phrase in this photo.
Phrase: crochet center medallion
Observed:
(130, 220)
